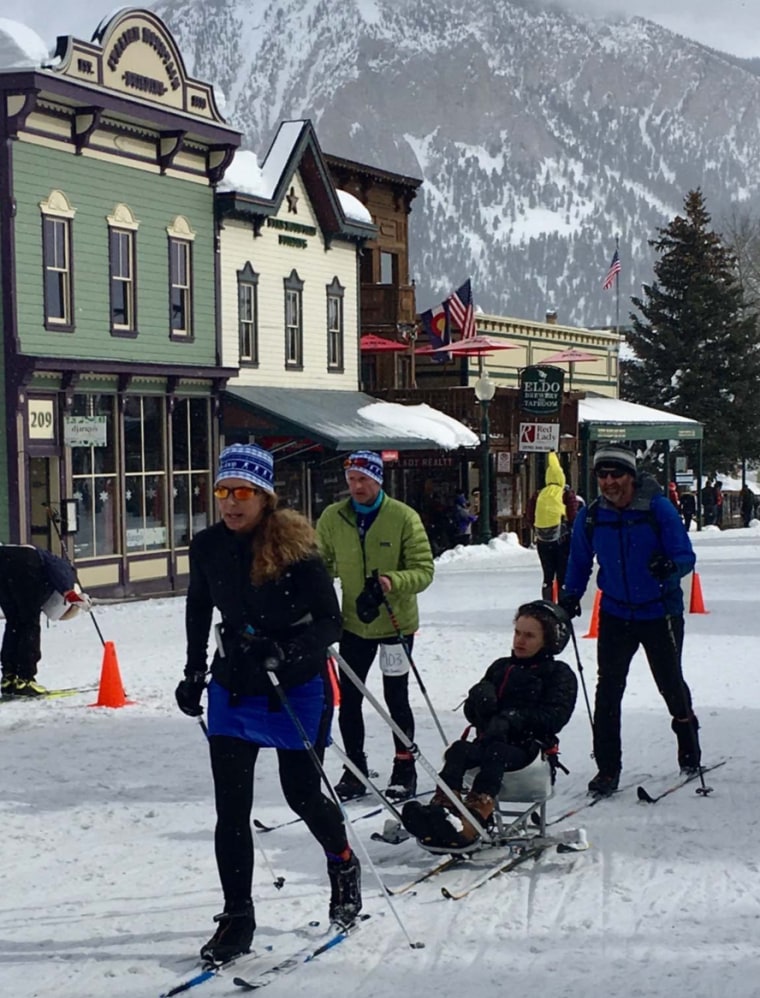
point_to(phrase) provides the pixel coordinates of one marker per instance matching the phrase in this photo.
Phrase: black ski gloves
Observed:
(262, 651)
(504, 725)
(188, 694)
(481, 704)
(570, 604)
(369, 600)
(662, 567)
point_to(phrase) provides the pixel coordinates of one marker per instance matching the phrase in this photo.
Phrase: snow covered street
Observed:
(108, 883)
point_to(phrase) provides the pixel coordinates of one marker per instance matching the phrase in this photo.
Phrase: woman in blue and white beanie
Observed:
(260, 568)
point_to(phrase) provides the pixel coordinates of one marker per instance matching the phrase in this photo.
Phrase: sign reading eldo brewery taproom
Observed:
(541, 390)
(133, 52)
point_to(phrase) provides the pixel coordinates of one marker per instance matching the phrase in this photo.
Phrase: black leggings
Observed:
(360, 654)
(233, 761)
(553, 557)
(23, 589)
(662, 640)
(495, 758)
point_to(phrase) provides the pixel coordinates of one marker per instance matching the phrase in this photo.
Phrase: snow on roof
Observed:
(598, 409)
(421, 421)
(244, 175)
(353, 208)
(20, 45)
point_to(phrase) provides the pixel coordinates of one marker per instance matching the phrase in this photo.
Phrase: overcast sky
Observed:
(731, 25)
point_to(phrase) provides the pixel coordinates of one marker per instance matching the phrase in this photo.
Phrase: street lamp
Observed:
(485, 389)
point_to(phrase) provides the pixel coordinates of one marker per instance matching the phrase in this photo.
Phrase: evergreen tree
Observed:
(696, 344)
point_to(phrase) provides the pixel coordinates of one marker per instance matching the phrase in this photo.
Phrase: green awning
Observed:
(334, 420)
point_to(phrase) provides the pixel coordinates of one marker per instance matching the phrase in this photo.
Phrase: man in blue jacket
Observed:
(643, 552)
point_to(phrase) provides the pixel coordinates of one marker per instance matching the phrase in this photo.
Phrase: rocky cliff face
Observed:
(540, 135)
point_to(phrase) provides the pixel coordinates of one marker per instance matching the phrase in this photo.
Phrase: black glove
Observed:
(481, 703)
(570, 604)
(662, 567)
(262, 650)
(369, 600)
(504, 725)
(188, 694)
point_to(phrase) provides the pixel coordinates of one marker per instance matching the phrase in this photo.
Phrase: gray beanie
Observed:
(615, 455)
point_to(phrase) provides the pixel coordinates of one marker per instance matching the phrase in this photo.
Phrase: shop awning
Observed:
(346, 420)
(615, 419)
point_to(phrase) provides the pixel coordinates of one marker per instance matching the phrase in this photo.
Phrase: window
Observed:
(335, 325)
(293, 321)
(94, 482)
(58, 285)
(180, 279)
(191, 468)
(388, 268)
(248, 316)
(145, 518)
(121, 258)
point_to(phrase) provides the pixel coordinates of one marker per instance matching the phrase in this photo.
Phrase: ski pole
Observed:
(702, 790)
(271, 666)
(402, 639)
(277, 881)
(411, 746)
(54, 517)
(583, 681)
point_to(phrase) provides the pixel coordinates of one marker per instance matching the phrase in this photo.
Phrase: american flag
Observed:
(462, 311)
(612, 272)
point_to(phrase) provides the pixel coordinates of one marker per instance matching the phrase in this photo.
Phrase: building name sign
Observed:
(541, 390)
(294, 241)
(148, 37)
(85, 431)
(539, 437)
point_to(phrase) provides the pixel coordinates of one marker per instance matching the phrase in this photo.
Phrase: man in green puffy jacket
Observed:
(378, 548)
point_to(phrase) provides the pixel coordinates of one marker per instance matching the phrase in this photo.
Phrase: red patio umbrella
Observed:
(570, 355)
(370, 343)
(475, 346)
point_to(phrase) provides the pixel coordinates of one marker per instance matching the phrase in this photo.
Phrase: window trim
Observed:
(57, 208)
(335, 291)
(123, 221)
(293, 285)
(180, 233)
(248, 276)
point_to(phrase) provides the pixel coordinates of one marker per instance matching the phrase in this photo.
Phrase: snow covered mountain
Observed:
(540, 134)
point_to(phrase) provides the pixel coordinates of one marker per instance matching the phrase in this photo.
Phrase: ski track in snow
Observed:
(108, 883)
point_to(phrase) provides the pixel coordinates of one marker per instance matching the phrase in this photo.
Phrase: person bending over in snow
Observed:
(518, 707)
(32, 580)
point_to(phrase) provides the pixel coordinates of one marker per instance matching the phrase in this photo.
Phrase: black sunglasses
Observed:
(611, 473)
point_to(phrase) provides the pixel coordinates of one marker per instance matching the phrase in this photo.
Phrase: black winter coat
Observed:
(523, 700)
(220, 576)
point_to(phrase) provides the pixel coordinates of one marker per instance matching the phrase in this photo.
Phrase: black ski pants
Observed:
(233, 762)
(495, 758)
(360, 654)
(662, 641)
(23, 589)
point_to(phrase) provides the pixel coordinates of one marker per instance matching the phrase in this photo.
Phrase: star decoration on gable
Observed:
(292, 199)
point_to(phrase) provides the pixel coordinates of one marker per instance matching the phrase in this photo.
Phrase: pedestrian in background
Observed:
(551, 512)
(688, 508)
(643, 552)
(261, 569)
(32, 581)
(747, 499)
(378, 548)
(463, 520)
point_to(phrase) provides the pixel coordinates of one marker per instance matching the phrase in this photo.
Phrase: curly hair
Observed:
(281, 538)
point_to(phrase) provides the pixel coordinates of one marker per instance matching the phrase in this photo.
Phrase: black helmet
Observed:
(555, 622)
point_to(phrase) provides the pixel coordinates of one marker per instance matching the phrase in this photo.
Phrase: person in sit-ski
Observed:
(518, 707)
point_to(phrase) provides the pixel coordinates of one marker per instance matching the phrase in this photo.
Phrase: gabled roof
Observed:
(294, 149)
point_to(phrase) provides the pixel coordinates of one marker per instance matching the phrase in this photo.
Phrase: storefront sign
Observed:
(541, 390)
(539, 437)
(85, 431)
(41, 419)
(389, 455)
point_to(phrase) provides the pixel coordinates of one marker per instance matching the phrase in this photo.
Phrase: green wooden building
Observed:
(111, 368)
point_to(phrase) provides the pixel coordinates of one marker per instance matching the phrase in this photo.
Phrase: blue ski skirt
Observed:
(253, 720)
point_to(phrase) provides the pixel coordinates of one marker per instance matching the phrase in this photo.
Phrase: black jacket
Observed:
(299, 611)
(523, 700)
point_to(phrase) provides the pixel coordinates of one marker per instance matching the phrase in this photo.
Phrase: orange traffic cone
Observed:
(111, 690)
(696, 603)
(593, 630)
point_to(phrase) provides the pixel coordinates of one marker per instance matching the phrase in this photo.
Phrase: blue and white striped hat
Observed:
(367, 462)
(247, 461)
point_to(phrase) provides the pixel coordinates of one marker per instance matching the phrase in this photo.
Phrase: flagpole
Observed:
(617, 289)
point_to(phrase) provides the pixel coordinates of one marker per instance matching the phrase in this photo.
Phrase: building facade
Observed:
(112, 366)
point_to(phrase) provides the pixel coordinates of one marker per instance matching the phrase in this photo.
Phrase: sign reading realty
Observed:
(536, 437)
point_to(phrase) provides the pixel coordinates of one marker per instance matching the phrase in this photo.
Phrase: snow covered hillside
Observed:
(108, 883)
